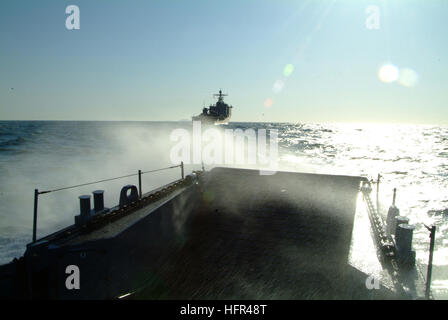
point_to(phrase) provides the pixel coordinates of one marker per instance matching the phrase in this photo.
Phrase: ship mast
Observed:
(220, 96)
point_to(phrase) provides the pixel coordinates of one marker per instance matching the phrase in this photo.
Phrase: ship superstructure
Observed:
(219, 113)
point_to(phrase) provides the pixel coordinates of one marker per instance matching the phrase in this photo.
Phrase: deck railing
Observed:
(139, 174)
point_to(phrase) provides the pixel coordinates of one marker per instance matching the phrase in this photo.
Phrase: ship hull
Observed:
(207, 119)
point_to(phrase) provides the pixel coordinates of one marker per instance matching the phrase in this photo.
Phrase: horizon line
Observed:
(275, 122)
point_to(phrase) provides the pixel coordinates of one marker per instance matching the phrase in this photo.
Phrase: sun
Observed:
(388, 73)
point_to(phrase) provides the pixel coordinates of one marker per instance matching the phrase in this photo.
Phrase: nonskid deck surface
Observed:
(265, 237)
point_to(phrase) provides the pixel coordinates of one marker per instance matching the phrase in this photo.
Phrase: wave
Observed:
(13, 142)
(399, 172)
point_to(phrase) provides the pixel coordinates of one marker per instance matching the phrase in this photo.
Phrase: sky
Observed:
(279, 60)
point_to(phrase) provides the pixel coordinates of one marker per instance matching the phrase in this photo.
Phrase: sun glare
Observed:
(388, 73)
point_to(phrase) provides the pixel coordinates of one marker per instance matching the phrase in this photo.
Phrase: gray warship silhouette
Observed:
(219, 113)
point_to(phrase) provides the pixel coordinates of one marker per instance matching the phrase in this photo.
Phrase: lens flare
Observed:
(278, 86)
(287, 71)
(388, 73)
(408, 77)
(268, 103)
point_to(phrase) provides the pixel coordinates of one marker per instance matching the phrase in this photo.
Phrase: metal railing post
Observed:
(394, 197)
(432, 236)
(140, 190)
(377, 194)
(140, 183)
(36, 199)
(182, 169)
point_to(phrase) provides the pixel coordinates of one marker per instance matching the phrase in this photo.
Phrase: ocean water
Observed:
(48, 155)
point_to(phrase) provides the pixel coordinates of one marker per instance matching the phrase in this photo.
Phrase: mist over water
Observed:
(48, 155)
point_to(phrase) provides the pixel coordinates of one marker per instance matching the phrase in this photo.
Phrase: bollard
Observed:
(404, 252)
(399, 220)
(98, 200)
(391, 214)
(403, 237)
(84, 205)
(390, 220)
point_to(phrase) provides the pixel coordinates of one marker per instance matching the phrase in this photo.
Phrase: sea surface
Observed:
(46, 155)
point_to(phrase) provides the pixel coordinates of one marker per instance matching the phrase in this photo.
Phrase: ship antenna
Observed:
(220, 95)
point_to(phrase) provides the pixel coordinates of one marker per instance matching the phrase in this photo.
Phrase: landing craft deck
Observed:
(269, 237)
(223, 234)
